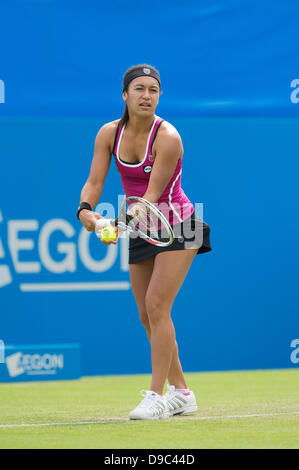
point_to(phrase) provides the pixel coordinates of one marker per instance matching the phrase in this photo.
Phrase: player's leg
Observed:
(169, 271)
(140, 276)
(152, 406)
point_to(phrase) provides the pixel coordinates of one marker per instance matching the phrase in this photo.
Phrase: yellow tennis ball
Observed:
(108, 234)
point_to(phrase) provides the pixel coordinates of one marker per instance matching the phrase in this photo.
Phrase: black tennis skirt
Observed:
(191, 233)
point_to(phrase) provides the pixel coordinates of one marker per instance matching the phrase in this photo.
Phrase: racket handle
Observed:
(128, 220)
(101, 223)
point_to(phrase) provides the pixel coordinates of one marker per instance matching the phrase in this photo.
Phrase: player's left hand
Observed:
(110, 242)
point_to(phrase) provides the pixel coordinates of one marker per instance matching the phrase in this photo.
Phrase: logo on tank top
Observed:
(151, 158)
(146, 71)
(147, 168)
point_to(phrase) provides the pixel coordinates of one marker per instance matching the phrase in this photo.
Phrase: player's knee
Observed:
(156, 308)
(143, 316)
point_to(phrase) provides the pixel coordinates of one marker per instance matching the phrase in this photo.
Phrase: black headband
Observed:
(139, 72)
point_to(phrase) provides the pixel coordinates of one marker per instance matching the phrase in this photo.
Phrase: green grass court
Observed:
(237, 410)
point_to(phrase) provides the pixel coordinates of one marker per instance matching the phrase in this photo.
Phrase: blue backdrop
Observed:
(230, 79)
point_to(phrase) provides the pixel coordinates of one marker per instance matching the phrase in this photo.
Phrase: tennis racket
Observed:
(141, 218)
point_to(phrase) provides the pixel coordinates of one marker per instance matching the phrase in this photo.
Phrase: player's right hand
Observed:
(88, 219)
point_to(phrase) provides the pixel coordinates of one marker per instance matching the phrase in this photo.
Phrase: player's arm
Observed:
(93, 188)
(169, 149)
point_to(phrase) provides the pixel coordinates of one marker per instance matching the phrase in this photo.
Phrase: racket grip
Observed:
(101, 223)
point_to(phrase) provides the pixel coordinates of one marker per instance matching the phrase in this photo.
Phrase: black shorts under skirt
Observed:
(191, 233)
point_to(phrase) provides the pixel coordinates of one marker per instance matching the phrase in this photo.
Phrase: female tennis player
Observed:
(148, 152)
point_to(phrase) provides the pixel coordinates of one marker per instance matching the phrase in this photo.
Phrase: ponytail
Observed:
(125, 117)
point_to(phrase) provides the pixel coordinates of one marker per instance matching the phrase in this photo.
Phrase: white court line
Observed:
(123, 420)
(241, 416)
(103, 421)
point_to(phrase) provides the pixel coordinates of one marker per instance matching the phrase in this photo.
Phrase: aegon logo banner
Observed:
(31, 246)
(34, 364)
(41, 362)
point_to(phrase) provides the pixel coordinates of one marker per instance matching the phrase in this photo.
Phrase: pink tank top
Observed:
(173, 203)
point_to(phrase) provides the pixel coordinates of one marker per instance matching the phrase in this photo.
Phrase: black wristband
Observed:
(83, 205)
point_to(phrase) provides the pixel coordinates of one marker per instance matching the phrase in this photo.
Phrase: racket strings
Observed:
(148, 223)
(144, 220)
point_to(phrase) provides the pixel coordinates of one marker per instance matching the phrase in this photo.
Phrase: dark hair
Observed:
(125, 117)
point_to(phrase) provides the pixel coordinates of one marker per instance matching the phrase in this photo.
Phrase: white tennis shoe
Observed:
(153, 406)
(178, 402)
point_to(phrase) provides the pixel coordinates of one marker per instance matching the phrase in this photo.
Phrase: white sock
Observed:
(185, 391)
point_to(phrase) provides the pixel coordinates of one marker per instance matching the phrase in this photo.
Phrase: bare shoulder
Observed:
(169, 135)
(168, 129)
(106, 134)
